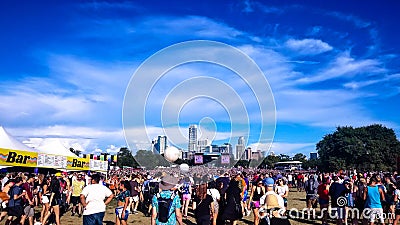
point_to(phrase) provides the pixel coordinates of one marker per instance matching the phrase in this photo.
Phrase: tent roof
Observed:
(55, 147)
(7, 141)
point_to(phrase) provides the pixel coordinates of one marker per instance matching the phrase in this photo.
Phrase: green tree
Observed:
(269, 161)
(300, 157)
(150, 160)
(125, 158)
(284, 157)
(373, 147)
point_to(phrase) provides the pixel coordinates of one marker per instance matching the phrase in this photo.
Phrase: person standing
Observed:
(212, 190)
(311, 188)
(283, 190)
(337, 191)
(92, 199)
(186, 190)
(166, 205)
(257, 192)
(123, 198)
(323, 200)
(373, 195)
(397, 202)
(232, 208)
(77, 187)
(135, 189)
(54, 200)
(29, 205)
(15, 203)
(205, 206)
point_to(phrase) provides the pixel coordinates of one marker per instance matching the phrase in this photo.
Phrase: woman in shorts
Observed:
(323, 193)
(54, 201)
(186, 190)
(214, 193)
(122, 210)
(257, 192)
(45, 199)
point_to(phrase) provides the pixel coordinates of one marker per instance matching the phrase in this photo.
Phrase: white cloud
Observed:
(308, 46)
(345, 66)
(365, 83)
(86, 139)
(283, 147)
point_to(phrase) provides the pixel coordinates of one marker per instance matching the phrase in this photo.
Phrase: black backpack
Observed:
(164, 206)
(154, 188)
(360, 192)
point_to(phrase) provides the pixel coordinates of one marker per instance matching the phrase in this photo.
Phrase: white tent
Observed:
(54, 146)
(7, 141)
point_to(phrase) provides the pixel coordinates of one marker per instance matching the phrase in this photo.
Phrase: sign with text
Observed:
(9, 157)
(74, 163)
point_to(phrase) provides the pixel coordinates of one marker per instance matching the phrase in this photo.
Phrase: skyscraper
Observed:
(160, 144)
(240, 147)
(192, 138)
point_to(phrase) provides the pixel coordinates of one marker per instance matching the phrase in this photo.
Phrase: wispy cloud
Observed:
(365, 83)
(345, 66)
(247, 6)
(284, 148)
(357, 21)
(308, 46)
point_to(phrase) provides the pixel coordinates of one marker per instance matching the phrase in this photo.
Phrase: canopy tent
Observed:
(54, 146)
(7, 141)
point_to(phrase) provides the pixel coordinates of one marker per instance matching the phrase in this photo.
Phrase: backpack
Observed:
(164, 206)
(185, 188)
(154, 188)
(310, 186)
(360, 192)
(146, 186)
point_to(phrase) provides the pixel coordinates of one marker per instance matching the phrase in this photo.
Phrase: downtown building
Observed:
(159, 144)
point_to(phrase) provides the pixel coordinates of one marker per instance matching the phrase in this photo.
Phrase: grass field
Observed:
(295, 200)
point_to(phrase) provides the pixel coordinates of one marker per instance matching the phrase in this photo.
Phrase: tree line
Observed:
(368, 148)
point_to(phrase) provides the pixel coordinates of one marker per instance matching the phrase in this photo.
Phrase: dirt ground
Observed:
(295, 200)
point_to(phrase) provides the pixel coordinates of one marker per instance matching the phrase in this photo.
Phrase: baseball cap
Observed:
(58, 174)
(269, 182)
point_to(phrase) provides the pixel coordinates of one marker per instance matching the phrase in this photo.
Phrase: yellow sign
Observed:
(74, 163)
(9, 157)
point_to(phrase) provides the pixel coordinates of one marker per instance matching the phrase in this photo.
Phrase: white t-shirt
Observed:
(290, 178)
(214, 194)
(281, 190)
(95, 195)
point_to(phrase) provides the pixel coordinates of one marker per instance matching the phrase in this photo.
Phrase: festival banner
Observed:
(225, 159)
(74, 163)
(52, 161)
(98, 165)
(198, 159)
(9, 157)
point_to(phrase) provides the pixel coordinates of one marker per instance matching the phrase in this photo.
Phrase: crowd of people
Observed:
(209, 195)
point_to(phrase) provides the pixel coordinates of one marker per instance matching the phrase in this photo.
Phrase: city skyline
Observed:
(328, 64)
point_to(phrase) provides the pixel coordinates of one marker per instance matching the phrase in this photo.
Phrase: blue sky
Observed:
(65, 66)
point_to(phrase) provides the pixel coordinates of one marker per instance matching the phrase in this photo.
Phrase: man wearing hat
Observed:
(271, 199)
(170, 215)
